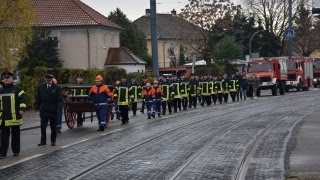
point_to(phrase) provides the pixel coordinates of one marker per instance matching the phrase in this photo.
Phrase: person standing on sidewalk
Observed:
(12, 106)
(49, 101)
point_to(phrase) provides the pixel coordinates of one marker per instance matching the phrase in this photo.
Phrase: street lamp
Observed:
(251, 41)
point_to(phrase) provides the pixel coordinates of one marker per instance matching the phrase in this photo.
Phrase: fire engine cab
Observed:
(272, 74)
(300, 74)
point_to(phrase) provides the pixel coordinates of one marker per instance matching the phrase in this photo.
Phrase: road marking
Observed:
(22, 160)
(113, 131)
(62, 147)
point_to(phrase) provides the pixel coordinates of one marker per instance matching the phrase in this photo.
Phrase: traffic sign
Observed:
(289, 33)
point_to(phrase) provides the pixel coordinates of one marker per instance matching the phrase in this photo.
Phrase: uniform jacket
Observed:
(122, 94)
(49, 101)
(100, 94)
(12, 100)
(148, 94)
(158, 93)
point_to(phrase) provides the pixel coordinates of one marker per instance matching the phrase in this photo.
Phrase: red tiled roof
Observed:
(117, 56)
(69, 13)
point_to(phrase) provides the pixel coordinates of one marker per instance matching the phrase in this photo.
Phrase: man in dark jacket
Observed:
(12, 106)
(49, 101)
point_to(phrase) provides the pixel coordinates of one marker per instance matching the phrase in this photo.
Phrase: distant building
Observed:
(124, 58)
(84, 36)
(174, 34)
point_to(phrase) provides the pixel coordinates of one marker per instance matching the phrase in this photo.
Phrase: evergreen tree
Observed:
(41, 51)
(182, 58)
(131, 37)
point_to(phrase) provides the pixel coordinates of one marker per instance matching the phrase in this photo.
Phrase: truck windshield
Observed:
(291, 65)
(259, 67)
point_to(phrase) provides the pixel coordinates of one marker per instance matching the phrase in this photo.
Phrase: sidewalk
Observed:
(31, 120)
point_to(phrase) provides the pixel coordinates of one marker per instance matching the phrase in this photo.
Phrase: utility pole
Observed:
(290, 39)
(154, 37)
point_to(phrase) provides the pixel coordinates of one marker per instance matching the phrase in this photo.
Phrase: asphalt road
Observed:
(253, 139)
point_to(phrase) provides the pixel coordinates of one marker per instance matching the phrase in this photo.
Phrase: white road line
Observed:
(113, 131)
(22, 160)
(62, 147)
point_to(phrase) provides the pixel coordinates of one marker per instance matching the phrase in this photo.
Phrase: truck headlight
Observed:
(314, 80)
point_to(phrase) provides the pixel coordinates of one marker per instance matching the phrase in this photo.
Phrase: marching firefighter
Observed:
(214, 92)
(116, 107)
(166, 101)
(175, 94)
(192, 91)
(148, 97)
(233, 87)
(100, 94)
(122, 97)
(157, 98)
(134, 94)
(205, 90)
(184, 92)
(199, 84)
(225, 87)
(220, 92)
(142, 88)
(12, 106)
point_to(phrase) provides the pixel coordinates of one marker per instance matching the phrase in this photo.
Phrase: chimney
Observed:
(148, 12)
(173, 12)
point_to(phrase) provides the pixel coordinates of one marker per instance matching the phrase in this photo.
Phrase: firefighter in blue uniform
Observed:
(12, 106)
(122, 96)
(100, 94)
(192, 91)
(157, 98)
(148, 97)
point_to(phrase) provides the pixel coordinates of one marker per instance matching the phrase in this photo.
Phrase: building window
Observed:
(55, 38)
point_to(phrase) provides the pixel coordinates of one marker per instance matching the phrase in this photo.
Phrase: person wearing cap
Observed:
(148, 96)
(12, 106)
(49, 102)
(122, 97)
(100, 94)
(158, 94)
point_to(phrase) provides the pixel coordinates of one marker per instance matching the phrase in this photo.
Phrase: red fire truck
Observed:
(300, 74)
(272, 74)
(316, 73)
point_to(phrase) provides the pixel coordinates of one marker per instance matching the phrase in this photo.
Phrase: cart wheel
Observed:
(71, 119)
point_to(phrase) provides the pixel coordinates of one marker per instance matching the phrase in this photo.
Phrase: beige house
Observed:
(174, 34)
(84, 36)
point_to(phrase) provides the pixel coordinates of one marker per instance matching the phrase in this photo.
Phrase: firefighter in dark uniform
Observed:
(49, 101)
(220, 92)
(80, 92)
(122, 96)
(199, 80)
(233, 87)
(12, 106)
(166, 101)
(225, 87)
(134, 94)
(205, 92)
(175, 94)
(192, 91)
(214, 92)
(184, 92)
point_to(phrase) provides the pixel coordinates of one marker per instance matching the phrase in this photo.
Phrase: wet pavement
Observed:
(254, 139)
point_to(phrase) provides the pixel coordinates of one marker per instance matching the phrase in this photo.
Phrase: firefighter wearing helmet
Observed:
(148, 98)
(99, 94)
(158, 93)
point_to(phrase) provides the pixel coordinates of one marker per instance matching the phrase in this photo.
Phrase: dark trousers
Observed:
(176, 102)
(225, 97)
(192, 101)
(134, 107)
(53, 127)
(124, 110)
(150, 110)
(214, 98)
(220, 97)
(233, 96)
(15, 139)
(164, 105)
(206, 99)
(142, 107)
(79, 118)
(157, 106)
(101, 112)
(184, 102)
(199, 98)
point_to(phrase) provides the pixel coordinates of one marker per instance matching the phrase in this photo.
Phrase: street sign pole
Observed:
(154, 37)
(290, 39)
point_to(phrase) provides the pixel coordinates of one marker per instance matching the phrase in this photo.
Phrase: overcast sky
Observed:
(136, 8)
